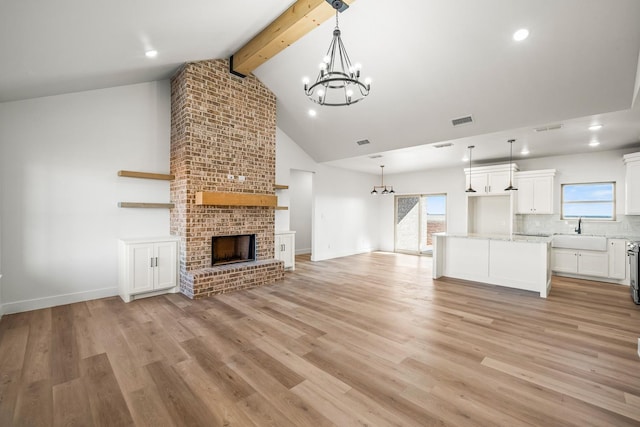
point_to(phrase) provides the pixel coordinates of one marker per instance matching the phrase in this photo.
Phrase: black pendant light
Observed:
(470, 189)
(383, 187)
(511, 187)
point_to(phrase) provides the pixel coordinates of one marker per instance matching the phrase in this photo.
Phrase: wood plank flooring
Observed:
(367, 340)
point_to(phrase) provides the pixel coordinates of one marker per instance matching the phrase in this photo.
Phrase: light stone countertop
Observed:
(532, 238)
(503, 237)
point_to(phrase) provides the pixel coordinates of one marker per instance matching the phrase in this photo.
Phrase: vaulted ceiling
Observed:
(430, 61)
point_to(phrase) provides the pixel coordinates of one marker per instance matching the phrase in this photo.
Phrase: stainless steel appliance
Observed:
(633, 253)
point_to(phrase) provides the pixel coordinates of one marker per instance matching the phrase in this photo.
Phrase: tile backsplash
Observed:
(625, 225)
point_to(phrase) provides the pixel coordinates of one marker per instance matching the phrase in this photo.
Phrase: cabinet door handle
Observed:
(156, 261)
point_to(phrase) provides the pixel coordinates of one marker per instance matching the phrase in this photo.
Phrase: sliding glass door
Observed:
(417, 218)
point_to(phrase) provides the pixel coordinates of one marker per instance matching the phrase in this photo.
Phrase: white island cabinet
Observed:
(510, 261)
(147, 267)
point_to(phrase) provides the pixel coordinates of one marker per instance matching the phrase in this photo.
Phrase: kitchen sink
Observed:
(573, 241)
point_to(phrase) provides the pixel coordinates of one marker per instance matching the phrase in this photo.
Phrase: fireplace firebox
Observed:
(233, 249)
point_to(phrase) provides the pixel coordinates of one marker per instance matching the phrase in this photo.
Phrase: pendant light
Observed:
(470, 189)
(511, 187)
(374, 192)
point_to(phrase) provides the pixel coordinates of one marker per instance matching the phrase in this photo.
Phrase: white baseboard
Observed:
(303, 251)
(38, 303)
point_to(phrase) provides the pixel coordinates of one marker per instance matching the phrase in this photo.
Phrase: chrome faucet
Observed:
(579, 229)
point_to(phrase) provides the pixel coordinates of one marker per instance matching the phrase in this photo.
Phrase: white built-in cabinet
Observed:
(587, 263)
(535, 192)
(489, 179)
(147, 267)
(632, 184)
(285, 248)
(610, 263)
(617, 249)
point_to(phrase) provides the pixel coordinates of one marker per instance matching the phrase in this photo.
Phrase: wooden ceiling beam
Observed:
(299, 19)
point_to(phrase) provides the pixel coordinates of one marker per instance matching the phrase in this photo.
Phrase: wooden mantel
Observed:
(208, 198)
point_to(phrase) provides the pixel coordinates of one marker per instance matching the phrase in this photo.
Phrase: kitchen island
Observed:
(521, 262)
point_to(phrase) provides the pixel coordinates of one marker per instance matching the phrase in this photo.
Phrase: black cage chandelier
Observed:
(338, 82)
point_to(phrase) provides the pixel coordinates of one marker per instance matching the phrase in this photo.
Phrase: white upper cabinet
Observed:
(535, 192)
(489, 179)
(632, 184)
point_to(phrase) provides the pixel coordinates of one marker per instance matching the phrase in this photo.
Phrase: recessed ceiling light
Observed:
(465, 159)
(151, 53)
(524, 152)
(594, 143)
(312, 113)
(521, 34)
(595, 127)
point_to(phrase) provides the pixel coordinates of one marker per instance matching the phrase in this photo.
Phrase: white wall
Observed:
(345, 217)
(598, 166)
(301, 208)
(585, 167)
(437, 181)
(59, 190)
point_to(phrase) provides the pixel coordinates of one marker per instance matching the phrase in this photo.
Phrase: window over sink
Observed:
(594, 201)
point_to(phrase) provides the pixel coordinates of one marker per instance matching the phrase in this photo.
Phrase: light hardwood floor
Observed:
(362, 340)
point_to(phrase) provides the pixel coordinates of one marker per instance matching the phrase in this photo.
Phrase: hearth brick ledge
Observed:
(232, 277)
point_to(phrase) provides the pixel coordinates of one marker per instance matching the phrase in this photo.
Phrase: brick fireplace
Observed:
(221, 125)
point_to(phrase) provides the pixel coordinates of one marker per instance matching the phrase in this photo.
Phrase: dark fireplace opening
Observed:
(233, 249)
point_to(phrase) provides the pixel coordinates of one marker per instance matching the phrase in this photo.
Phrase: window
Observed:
(590, 201)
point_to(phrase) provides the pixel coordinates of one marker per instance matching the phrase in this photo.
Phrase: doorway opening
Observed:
(417, 217)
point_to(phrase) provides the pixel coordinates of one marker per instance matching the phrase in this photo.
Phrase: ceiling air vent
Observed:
(443, 145)
(462, 120)
(550, 127)
(363, 142)
(375, 156)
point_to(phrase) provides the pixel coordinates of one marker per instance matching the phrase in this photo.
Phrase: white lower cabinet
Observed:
(617, 249)
(285, 249)
(588, 263)
(147, 267)
(611, 263)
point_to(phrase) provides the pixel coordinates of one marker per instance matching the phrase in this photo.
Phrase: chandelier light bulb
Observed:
(322, 66)
(349, 92)
(326, 59)
(305, 80)
(367, 81)
(320, 92)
